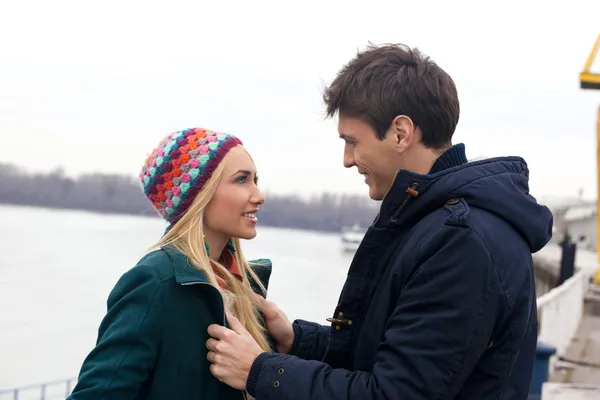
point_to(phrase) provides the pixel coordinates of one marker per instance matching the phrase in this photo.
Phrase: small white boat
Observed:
(351, 237)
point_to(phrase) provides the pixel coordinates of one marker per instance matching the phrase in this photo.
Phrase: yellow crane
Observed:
(590, 80)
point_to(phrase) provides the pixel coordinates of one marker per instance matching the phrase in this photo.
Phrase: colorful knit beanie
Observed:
(178, 168)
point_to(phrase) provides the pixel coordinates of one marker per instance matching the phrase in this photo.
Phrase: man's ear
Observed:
(403, 131)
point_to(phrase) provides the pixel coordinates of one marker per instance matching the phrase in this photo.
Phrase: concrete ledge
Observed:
(570, 391)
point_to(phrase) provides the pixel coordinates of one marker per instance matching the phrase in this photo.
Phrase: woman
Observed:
(152, 341)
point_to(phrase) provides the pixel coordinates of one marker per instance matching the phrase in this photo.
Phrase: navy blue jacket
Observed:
(439, 301)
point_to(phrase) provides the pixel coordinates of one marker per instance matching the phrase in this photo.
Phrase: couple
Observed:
(439, 301)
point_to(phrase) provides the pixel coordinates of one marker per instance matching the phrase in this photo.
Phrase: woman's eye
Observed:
(241, 179)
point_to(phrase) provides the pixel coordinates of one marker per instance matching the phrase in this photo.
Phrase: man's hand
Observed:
(231, 353)
(278, 325)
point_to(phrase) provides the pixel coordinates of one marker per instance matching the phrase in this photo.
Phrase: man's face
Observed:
(377, 160)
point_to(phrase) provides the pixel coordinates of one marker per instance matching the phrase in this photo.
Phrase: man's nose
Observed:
(348, 159)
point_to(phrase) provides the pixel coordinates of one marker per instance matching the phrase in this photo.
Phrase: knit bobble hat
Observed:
(176, 171)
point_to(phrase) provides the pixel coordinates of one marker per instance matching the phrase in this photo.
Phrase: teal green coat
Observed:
(152, 342)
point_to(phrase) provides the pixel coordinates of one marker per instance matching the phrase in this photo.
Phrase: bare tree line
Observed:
(122, 194)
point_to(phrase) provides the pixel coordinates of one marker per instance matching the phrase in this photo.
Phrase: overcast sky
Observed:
(95, 87)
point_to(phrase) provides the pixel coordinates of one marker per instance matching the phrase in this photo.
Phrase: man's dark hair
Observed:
(385, 81)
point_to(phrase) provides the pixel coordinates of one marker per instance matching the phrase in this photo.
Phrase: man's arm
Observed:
(441, 325)
(310, 340)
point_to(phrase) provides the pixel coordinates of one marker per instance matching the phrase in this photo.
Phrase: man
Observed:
(439, 301)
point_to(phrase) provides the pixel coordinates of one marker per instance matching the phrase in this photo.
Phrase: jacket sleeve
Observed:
(310, 340)
(128, 339)
(441, 324)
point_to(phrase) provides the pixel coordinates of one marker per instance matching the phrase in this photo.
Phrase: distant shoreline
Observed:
(58, 208)
(147, 215)
(120, 194)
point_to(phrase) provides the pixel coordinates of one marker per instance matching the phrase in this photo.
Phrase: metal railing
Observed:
(59, 389)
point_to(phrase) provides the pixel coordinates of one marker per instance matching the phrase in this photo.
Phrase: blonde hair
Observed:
(187, 236)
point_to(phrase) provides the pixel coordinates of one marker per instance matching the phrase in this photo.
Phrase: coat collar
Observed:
(413, 195)
(407, 185)
(184, 271)
(186, 274)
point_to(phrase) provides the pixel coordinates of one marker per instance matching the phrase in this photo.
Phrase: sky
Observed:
(94, 87)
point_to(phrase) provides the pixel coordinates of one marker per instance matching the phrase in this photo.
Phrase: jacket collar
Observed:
(186, 274)
(408, 186)
(452, 157)
(413, 195)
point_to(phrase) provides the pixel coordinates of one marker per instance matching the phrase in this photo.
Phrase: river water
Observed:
(57, 268)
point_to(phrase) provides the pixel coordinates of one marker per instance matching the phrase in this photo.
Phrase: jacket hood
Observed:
(497, 185)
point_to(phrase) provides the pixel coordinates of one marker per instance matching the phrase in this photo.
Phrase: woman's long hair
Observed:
(187, 236)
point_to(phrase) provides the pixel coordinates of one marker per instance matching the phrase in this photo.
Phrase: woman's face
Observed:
(232, 210)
